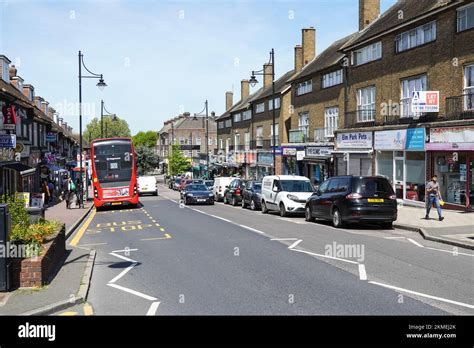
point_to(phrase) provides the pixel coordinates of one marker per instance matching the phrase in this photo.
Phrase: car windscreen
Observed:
(296, 186)
(195, 187)
(372, 186)
(113, 162)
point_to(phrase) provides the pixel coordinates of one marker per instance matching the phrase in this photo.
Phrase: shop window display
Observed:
(415, 176)
(453, 177)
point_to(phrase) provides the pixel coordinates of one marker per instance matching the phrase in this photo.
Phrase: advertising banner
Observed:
(425, 101)
(463, 134)
(354, 140)
(9, 117)
(415, 139)
(390, 140)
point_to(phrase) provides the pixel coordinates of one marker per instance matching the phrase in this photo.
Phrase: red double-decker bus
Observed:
(114, 174)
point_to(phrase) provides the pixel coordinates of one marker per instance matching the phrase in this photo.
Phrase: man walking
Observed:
(433, 195)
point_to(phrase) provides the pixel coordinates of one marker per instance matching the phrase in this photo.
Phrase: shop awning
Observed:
(23, 169)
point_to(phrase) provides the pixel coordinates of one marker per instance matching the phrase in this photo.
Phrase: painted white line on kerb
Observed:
(284, 239)
(362, 272)
(252, 229)
(122, 257)
(133, 292)
(121, 274)
(153, 308)
(415, 242)
(295, 244)
(326, 256)
(424, 295)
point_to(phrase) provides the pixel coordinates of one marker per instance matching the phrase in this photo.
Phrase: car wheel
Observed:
(336, 218)
(225, 200)
(244, 205)
(185, 202)
(264, 208)
(234, 201)
(282, 210)
(252, 205)
(387, 225)
(308, 214)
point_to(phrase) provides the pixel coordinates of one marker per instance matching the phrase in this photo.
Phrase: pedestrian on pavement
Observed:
(51, 189)
(45, 190)
(433, 196)
(78, 192)
(69, 189)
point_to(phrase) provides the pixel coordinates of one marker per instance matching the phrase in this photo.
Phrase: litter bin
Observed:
(5, 229)
(35, 214)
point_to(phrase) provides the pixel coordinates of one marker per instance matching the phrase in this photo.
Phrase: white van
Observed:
(147, 184)
(285, 193)
(220, 184)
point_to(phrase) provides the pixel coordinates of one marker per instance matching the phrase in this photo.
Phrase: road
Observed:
(167, 259)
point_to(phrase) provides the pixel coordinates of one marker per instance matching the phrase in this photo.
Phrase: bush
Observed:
(16, 209)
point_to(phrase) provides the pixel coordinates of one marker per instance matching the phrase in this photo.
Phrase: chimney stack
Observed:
(229, 100)
(369, 10)
(38, 101)
(29, 92)
(267, 77)
(298, 58)
(12, 71)
(309, 44)
(244, 89)
(44, 107)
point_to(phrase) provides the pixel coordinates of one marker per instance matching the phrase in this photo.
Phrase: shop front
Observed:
(451, 153)
(245, 161)
(318, 163)
(291, 164)
(400, 156)
(264, 165)
(353, 154)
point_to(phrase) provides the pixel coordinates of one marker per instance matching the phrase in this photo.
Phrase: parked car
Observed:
(219, 187)
(252, 195)
(354, 199)
(233, 193)
(209, 184)
(285, 193)
(198, 181)
(177, 183)
(197, 193)
(147, 184)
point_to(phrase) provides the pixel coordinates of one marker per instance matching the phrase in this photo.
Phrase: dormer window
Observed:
(367, 54)
(4, 68)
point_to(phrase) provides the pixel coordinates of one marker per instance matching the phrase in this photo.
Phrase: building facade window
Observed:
(303, 123)
(237, 117)
(247, 141)
(220, 124)
(247, 115)
(259, 137)
(227, 144)
(304, 87)
(277, 104)
(465, 17)
(236, 140)
(228, 123)
(469, 87)
(181, 141)
(367, 54)
(221, 144)
(366, 104)
(331, 121)
(276, 135)
(410, 85)
(209, 142)
(260, 107)
(332, 78)
(198, 141)
(416, 37)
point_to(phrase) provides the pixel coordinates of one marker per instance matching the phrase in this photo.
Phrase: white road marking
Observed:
(133, 292)
(122, 257)
(93, 244)
(394, 237)
(415, 242)
(252, 229)
(362, 272)
(450, 251)
(124, 250)
(423, 295)
(284, 239)
(295, 244)
(153, 308)
(326, 256)
(123, 272)
(292, 220)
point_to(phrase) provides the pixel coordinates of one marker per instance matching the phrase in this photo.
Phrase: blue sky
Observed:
(159, 58)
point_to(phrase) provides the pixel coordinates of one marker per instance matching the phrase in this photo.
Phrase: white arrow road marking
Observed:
(295, 244)
(423, 295)
(362, 272)
(153, 308)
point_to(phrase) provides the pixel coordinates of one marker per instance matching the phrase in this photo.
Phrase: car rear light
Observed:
(393, 197)
(354, 196)
(237, 192)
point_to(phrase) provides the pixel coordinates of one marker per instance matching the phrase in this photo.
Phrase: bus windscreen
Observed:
(113, 163)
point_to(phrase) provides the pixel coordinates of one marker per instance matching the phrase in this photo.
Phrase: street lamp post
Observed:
(101, 84)
(253, 81)
(206, 108)
(108, 114)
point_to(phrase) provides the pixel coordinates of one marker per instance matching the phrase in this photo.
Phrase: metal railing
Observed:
(460, 107)
(299, 135)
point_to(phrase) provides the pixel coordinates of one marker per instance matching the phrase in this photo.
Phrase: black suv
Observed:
(252, 195)
(353, 199)
(233, 193)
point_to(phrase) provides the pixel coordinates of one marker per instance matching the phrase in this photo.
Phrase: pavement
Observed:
(70, 284)
(165, 259)
(456, 229)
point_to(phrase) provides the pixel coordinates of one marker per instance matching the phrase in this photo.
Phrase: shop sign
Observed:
(6, 154)
(354, 140)
(425, 101)
(390, 140)
(265, 157)
(314, 151)
(8, 141)
(415, 139)
(289, 151)
(9, 117)
(452, 135)
(51, 137)
(300, 155)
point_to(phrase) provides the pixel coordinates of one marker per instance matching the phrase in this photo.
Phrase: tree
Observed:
(177, 163)
(147, 159)
(147, 139)
(115, 128)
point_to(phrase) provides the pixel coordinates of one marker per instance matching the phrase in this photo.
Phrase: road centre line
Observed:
(252, 229)
(153, 308)
(133, 292)
(423, 295)
(121, 274)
